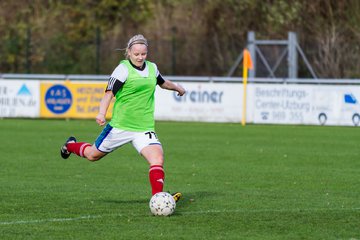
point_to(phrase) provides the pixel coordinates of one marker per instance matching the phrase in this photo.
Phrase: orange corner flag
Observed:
(247, 64)
(247, 59)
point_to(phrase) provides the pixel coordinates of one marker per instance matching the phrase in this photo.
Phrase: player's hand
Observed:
(100, 119)
(181, 91)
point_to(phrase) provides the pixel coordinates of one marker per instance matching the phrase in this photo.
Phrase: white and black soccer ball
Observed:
(162, 204)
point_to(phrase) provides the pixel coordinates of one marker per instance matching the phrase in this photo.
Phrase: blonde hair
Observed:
(137, 39)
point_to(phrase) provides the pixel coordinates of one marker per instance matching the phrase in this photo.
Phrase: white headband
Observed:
(138, 41)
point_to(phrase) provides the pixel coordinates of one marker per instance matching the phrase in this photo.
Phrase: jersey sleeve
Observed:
(117, 79)
(160, 80)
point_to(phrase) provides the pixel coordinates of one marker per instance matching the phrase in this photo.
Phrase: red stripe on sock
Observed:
(82, 149)
(78, 148)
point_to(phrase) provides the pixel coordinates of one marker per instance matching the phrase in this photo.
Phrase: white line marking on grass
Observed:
(271, 210)
(51, 220)
(89, 217)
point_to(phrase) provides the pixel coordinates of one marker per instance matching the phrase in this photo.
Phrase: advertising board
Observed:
(19, 98)
(206, 102)
(69, 99)
(307, 104)
(304, 104)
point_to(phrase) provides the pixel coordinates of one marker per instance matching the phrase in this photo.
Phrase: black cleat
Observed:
(177, 196)
(63, 150)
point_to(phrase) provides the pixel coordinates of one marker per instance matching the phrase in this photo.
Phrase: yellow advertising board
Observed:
(70, 99)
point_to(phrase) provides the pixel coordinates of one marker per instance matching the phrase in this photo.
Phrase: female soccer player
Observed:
(132, 83)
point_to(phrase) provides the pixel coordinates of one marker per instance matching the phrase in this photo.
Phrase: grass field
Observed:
(253, 182)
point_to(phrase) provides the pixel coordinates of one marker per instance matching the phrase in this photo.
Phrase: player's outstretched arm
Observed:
(169, 85)
(104, 105)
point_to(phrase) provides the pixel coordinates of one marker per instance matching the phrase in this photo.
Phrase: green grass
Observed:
(253, 182)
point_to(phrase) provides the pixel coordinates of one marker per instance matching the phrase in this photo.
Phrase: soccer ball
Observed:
(162, 203)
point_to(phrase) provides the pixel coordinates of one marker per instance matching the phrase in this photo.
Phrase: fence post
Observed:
(252, 50)
(173, 50)
(98, 48)
(28, 63)
(98, 45)
(292, 56)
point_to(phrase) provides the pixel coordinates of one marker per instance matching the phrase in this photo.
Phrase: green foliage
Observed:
(200, 37)
(282, 15)
(64, 32)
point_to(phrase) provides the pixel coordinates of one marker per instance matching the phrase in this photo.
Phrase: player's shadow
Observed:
(188, 199)
(133, 201)
(193, 197)
(199, 195)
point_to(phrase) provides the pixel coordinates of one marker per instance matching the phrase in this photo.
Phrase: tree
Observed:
(186, 37)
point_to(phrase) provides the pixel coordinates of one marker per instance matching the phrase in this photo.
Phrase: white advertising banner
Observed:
(304, 104)
(19, 98)
(222, 102)
(284, 104)
(205, 102)
(336, 105)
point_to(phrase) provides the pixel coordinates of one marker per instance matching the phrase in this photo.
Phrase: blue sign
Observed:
(58, 99)
(349, 98)
(24, 91)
